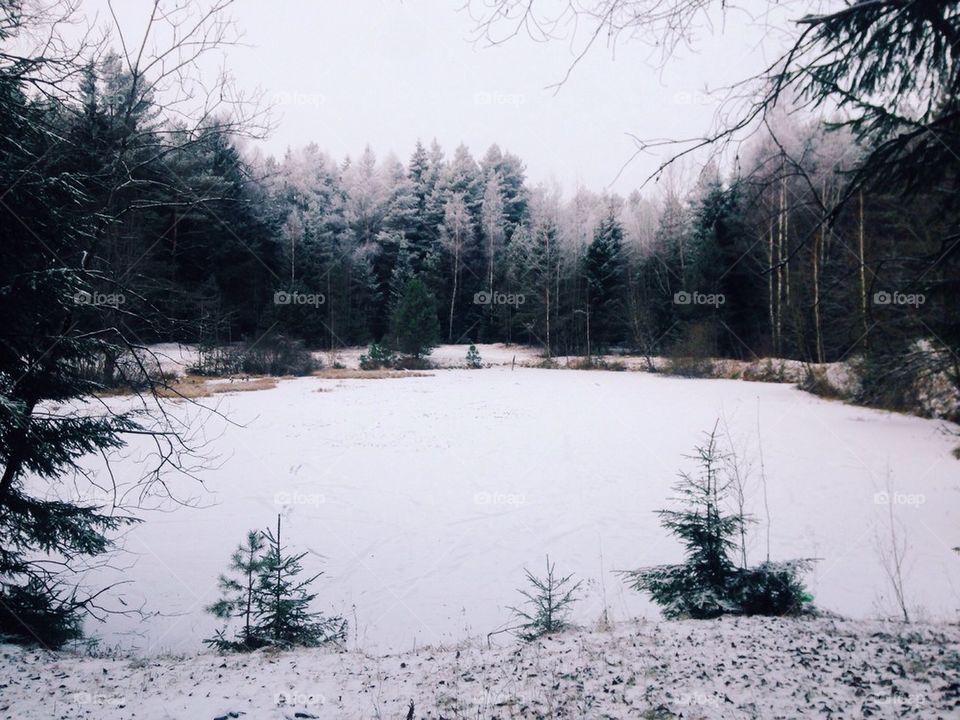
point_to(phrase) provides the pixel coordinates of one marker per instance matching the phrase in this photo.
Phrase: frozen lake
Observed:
(422, 499)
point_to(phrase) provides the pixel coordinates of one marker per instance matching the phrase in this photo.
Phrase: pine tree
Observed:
(605, 279)
(283, 615)
(547, 603)
(401, 276)
(267, 593)
(415, 326)
(699, 586)
(474, 361)
(708, 583)
(239, 598)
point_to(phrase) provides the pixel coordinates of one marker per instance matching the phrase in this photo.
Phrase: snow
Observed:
(729, 668)
(423, 498)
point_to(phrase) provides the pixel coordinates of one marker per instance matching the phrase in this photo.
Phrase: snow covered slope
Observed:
(743, 668)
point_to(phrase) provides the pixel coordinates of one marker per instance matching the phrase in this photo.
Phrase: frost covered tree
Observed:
(455, 233)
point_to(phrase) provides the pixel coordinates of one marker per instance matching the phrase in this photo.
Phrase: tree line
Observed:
(132, 212)
(736, 263)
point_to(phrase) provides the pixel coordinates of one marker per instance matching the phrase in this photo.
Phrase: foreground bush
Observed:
(34, 614)
(708, 583)
(266, 593)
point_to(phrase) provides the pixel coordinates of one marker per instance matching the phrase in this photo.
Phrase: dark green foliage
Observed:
(708, 583)
(284, 618)
(239, 595)
(604, 270)
(268, 594)
(36, 614)
(276, 355)
(474, 361)
(415, 324)
(376, 357)
(771, 588)
(547, 604)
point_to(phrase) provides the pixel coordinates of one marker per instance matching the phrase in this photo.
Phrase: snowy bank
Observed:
(728, 668)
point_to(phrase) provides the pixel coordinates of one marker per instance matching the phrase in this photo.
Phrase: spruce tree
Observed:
(283, 600)
(699, 586)
(547, 603)
(239, 598)
(605, 279)
(415, 325)
(708, 583)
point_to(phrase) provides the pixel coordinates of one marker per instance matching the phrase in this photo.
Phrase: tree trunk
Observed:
(453, 297)
(863, 273)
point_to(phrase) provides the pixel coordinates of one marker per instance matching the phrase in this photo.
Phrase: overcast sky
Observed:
(386, 73)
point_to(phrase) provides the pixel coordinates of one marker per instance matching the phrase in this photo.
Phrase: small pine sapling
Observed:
(377, 357)
(283, 614)
(699, 586)
(239, 596)
(708, 583)
(474, 361)
(547, 604)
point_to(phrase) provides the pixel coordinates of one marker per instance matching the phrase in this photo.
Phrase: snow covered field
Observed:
(423, 499)
(729, 668)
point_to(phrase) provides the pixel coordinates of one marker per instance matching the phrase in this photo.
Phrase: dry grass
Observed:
(351, 374)
(191, 387)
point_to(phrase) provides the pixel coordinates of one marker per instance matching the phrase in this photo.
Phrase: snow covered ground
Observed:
(422, 499)
(729, 668)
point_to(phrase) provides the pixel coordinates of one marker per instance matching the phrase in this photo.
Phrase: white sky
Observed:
(386, 72)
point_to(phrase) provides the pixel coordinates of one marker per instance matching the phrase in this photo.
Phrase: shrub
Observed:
(770, 588)
(597, 362)
(412, 362)
(689, 366)
(272, 355)
(766, 371)
(277, 355)
(377, 357)
(474, 361)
